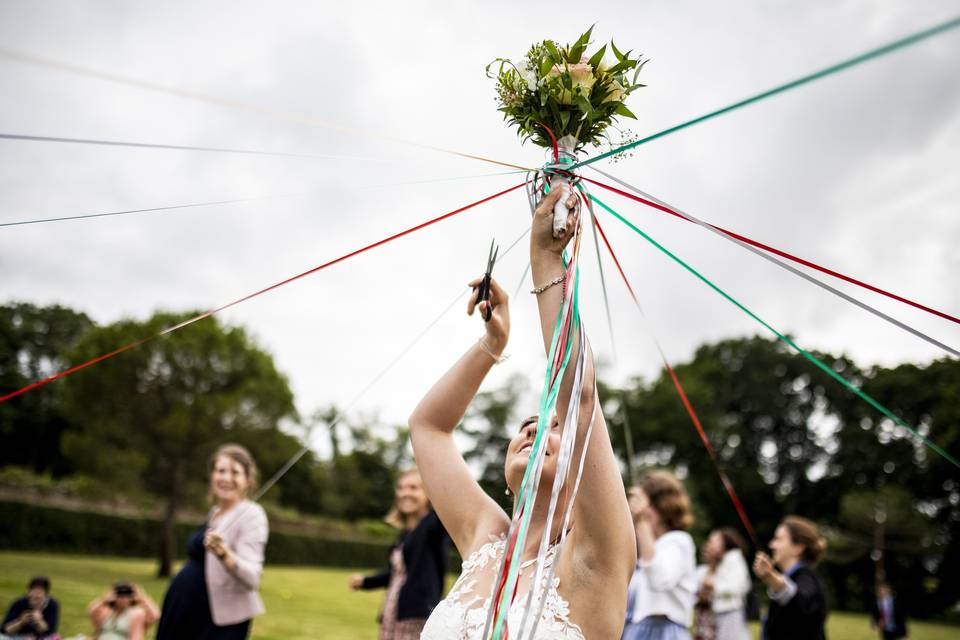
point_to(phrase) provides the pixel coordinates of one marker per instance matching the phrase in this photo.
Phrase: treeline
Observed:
(791, 439)
(147, 421)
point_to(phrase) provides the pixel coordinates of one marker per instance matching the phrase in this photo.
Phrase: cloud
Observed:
(854, 171)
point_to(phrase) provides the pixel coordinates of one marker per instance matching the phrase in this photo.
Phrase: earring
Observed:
(506, 491)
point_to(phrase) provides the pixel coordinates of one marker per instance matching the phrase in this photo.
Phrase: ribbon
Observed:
(303, 450)
(694, 418)
(750, 245)
(914, 38)
(207, 314)
(786, 339)
(276, 114)
(506, 585)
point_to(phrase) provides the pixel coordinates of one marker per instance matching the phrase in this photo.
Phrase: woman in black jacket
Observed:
(798, 607)
(418, 563)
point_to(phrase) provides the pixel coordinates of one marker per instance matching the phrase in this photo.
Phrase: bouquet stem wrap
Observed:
(564, 153)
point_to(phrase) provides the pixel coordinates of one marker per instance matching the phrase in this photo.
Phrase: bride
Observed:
(587, 591)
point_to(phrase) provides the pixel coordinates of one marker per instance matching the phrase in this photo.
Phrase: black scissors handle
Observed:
(483, 290)
(483, 294)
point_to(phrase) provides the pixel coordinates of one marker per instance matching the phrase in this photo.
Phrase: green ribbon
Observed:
(822, 73)
(786, 339)
(548, 399)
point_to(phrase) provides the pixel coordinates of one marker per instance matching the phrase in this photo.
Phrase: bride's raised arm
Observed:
(468, 513)
(603, 531)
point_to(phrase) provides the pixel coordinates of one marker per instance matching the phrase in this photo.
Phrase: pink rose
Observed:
(581, 75)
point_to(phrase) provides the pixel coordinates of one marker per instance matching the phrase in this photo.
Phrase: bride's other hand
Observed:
(542, 241)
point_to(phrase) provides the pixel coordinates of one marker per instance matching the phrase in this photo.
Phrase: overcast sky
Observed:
(858, 171)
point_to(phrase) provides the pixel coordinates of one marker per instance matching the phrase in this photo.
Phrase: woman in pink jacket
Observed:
(215, 594)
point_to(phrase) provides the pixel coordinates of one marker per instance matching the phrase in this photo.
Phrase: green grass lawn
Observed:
(303, 603)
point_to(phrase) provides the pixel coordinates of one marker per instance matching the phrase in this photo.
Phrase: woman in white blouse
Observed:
(661, 593)
(723, 583)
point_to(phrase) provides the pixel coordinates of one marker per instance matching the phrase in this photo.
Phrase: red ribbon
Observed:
(553, 139)
(782, 254)
(206, 314)
(741, 512)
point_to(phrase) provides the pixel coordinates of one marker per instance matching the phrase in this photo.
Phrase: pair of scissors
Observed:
(483, 291)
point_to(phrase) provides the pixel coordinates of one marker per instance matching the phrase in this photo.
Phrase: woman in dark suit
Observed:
(418, 563)
(798, 607)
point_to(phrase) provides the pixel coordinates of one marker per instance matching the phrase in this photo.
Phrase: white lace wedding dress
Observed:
(463, 613)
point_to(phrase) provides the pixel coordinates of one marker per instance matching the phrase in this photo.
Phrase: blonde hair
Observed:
(805, 532)
(241, 456)
(393, 517)
(669, 498)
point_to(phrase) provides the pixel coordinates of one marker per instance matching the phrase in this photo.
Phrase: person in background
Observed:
(35, 615)
(798, 607)
(662, 592)
(889, 619)
(216, 593)
(124, 613)
(723, 583)
(417, 564)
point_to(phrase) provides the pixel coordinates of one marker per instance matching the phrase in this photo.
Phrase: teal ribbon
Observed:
(786, 339)
(822, 73)
(528, 488)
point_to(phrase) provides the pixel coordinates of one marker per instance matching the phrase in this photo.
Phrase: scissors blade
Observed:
(493, 260)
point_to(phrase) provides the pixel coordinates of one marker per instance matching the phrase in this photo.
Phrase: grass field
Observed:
(303, 603)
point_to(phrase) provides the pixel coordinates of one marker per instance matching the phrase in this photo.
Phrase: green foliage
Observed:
(565, 90)
(33, 528)
(33, 342)
(152, 416)
(359, 483)
(26, 482)
(793, 441)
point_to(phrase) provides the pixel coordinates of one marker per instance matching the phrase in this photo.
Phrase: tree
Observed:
(32, 343)
(768, 412)
(927, 397)
(361, 473)
(153, 415)
(794, 441)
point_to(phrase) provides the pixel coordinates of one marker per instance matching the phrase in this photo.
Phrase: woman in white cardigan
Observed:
(723, 583)
(216, 593)
(661, 593)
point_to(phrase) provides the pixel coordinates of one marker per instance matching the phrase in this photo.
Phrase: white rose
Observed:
(530, 76)
(616, 92)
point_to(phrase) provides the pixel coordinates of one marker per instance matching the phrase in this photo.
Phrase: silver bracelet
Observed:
(555, 281)
(496, 359)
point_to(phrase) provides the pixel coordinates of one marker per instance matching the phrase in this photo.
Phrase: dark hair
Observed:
(39, 581)
(123, 589)
(669, 498)
(534, 418)
(731, 539)
(806, 533)
(241, 456)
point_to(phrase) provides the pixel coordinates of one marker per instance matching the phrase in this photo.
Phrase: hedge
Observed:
(34, 528)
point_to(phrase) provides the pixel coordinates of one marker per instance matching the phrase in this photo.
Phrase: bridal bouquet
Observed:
(561, 96)
(564, 99)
